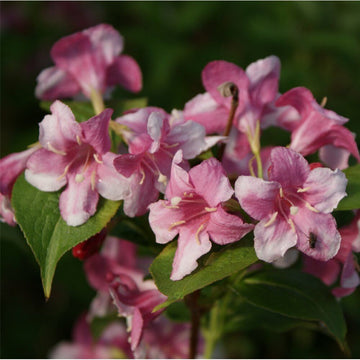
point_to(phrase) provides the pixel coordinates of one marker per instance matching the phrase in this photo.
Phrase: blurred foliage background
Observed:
(319, 47)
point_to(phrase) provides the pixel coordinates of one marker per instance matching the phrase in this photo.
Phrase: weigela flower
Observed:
(153, 139)
(88, 61)
(11, 166)
(318, 129)
(193, 209)
(343, 264)
(112, 343)
(77, 155)
(114, 272)
(293, 207)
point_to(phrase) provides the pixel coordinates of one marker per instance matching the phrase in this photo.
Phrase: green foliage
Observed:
(294, 295)
(216, 266)
(352, 201)
(46, 232)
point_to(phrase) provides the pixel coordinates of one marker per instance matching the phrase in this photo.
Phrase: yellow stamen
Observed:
(301, 190)
(51, 148)
(208, 209)
(291, 223)
(96, 157)
(143, 177)
(64, 173)
(323, 101)
(201, 228)
(175, 200)
(93, 180)
(78, 139)
(162, 179)
(272, 219)
(311, 208)
(281, 193)
(176, 224)
(294, 210)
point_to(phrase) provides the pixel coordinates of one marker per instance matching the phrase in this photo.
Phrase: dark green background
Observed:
(319, 47)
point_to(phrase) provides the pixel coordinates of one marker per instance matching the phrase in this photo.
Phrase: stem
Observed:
(213, 331)
(234, 92)
(192, 303)
(97, 101)
(259, 165)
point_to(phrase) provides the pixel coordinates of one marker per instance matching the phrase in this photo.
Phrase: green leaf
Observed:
(215, 266)
(352, 201)
(82, 110)
(296, 295)
(47, 234)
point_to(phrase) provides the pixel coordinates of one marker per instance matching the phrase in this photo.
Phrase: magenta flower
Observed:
(88, 61)
(193, 209)
(343, 265)
(76, 155)
(114, 272)
(318, 129)
(11, 166)
(258, 89)
(111, 343)
(293, 207)
(153, 139)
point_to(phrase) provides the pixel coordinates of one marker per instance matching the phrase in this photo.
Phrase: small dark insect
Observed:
(312, 240)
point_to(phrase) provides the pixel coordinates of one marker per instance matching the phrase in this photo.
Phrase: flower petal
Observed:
(288, 168)
(211, 182)
(110, 184)
(59, 131)
(325, 188)
(219, 72)
(224, 228)
(272, 241)
(335, 158)
(125, 71)
(46, 170)
(161, 219)
(191, 246)
(96, 131)
(326, 238)
(78, 202)
(54, 83)
(204, 110)
(257, 196)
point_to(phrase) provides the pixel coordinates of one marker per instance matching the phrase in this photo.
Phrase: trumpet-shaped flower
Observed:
(153, 139)
(193, 209)
(76, 155)
(293, 207)
(88, 61)
(114, 272)
(318, 129)
(343, 265)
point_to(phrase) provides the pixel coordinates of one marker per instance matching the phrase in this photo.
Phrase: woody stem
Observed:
(192, 303)
(234, 104)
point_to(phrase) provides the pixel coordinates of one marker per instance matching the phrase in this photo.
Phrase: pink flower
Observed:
(193, 210)
(76, 155)
(293, 207)
(114, 272)
(153, 139)
(258, 89)
(11, 167)
(111, 343)
(318, 129)
(88, 61)
(343, 264)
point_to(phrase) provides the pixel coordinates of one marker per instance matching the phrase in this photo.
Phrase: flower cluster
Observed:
(193, 171)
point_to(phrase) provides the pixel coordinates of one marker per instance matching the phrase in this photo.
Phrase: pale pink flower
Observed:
(318, 129)
(77, 155)
(293, 207)
(112, 343)
(153, 139)
(88, 61)
(193, 209)
(11, 166)
(343, 266)
(114, 272)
